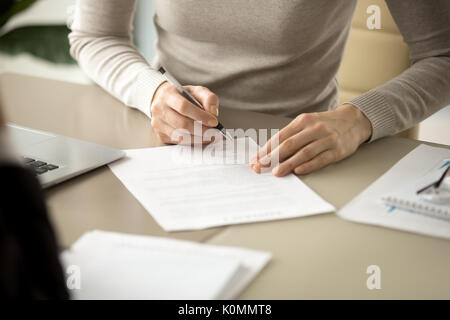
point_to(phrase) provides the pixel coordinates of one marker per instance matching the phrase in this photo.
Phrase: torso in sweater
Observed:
(272, 56)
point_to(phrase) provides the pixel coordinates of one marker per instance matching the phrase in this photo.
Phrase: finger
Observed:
(303, 155)
(206, 97)
(179, 121)
(273, 142)
(320, 161)
(165, 138)
(256, 167)
(296, 125)
(184, 140)
(290, 146)
(184, 107)
(163, 128)
(190, 140)
(168, 134)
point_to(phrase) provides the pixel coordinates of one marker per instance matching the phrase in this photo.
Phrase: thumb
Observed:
(207, 99)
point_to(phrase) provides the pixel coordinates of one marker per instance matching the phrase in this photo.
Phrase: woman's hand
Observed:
(171, 111)
(314, 140)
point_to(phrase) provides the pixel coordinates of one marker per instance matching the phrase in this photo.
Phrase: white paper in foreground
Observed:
(367, 207)
(189, 195)
(122, 266)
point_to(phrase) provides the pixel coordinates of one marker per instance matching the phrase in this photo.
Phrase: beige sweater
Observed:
(274, 56)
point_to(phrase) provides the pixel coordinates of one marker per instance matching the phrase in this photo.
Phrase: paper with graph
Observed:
(401, 182)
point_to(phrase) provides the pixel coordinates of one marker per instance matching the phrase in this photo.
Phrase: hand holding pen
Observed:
(172, 110)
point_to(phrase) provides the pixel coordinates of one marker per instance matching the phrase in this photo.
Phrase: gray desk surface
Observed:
(313, 257)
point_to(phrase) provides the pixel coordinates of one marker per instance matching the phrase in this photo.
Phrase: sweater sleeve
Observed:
(101, 42)
(422, 89)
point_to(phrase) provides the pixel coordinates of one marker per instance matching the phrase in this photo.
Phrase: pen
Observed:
(191, 99)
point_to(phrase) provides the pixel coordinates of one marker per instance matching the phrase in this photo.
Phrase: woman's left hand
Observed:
(313, 140)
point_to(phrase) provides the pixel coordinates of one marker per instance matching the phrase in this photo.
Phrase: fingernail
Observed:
(275, 171)
(265, 161)
(212, 122)
(215, 110)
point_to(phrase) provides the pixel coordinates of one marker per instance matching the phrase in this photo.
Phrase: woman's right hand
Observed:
(171, 111)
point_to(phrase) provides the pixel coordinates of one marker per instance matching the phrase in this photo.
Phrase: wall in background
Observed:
(42, 12)
(436, 128)
(144, 30)
(57, 12)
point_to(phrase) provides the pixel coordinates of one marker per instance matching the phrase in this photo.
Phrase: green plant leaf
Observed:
(47, 42)
(9, 8)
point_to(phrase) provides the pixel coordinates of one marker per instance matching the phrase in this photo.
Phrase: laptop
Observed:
(56, 158)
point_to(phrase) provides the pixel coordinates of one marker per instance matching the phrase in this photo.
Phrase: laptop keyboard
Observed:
(39, 167)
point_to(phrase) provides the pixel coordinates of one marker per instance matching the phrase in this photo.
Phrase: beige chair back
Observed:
(372, 57)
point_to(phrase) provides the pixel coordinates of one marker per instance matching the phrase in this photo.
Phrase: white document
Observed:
(367, 207)
(190, 194)
(121, 266)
